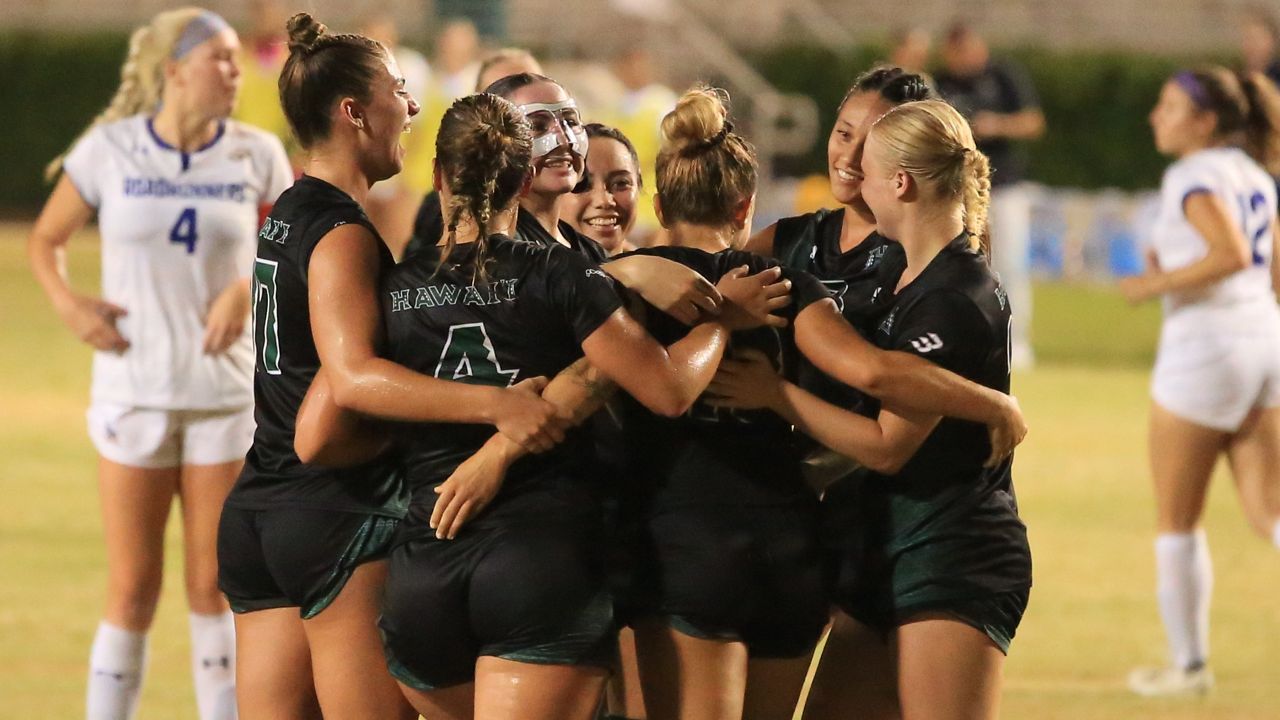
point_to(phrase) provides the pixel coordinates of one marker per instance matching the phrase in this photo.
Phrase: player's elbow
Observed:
(344, 389)
(669, 403)
(308, 449)
(1236, 260)
(887, 460)
(873, 376)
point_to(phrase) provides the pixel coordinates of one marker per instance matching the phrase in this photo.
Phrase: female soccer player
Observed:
(841, 247)
(512, 618)
(941, 567)
(606, 211)
(560, 151)
(721, 634)
(1215, 385)
(302, 547)
(177, 189)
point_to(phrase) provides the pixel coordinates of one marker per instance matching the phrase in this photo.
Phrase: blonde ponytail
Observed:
(977, 199)
(933, 143)
(141, 76)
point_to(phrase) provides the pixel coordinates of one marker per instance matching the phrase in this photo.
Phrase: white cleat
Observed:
(1170, 681)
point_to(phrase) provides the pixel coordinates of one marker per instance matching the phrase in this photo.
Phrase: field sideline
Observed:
(1081, 480)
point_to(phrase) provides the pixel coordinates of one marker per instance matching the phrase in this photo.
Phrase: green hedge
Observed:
(51, 87)
(1096, 104)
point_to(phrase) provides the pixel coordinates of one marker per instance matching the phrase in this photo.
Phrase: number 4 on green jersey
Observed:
(468, 356)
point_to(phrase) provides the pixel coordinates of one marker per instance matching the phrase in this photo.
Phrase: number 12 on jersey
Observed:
(1257, 227)
(266, 332)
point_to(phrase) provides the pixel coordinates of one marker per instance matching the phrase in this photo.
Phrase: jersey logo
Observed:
(874, 257)
(274, 230)
(600, 273)
(1002, 297)
(497, 291)
(837, 288)
(886, 327)
(927, 343)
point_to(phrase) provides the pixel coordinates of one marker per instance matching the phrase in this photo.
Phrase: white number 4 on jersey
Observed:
(927, 343)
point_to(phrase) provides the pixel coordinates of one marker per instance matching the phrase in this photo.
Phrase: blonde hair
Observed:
(932, 142)
(703, 170)
(141, 76)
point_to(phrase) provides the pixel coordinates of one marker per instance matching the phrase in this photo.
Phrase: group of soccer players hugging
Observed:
(468, 470)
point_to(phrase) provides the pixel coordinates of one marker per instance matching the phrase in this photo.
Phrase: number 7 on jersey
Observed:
(266, 332)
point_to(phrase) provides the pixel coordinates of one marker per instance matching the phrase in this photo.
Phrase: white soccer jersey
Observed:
(1249, 195)
(177, 229)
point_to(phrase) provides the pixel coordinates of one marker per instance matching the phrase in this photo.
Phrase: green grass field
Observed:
(1081, 477)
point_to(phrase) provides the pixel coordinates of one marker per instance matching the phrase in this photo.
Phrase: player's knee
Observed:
(133, 606)
(203, 594)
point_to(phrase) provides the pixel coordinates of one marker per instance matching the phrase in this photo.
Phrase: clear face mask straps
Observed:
(547, 143)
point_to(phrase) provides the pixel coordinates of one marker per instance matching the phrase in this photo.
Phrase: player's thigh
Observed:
(689, 677)
(350, 669)
(856, 674)
(135, 505)
(452, 703)
(1254, 454)
(773, 687)
(947, 670)
(1182, 454)
(273, 666)
(512, 690)
(623, 695)
(203, 489)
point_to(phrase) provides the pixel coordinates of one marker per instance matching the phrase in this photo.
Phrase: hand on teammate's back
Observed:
(678, 291)
(527, 419)
(746, 381)
(227, 316)
(749, 300)
(467, 492)
(94, 321)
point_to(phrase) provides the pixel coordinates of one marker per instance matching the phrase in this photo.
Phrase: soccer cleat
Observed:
(1170, 681)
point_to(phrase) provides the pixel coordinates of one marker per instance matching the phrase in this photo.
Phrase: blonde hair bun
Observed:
(698, 120)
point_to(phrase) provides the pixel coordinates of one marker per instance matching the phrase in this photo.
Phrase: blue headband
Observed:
(201, 28)
(1192, 86)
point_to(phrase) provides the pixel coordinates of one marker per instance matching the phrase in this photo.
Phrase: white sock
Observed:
(213, 665)
(116, 664)
(1184, 583)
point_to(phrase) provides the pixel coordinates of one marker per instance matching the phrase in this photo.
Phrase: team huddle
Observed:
(466, 472)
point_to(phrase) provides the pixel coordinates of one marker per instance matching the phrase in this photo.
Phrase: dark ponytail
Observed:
(1247, 108)
(1262, 122)
(323, 68)
(892, 84)
(485, 149)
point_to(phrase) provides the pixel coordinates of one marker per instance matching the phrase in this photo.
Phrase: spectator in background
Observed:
(264, 52)
(637, 115)
(457, 61)
(1000, 103)
(428, 226)
(1259, 36)
(911, 48)
(391, 203)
